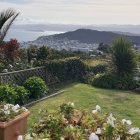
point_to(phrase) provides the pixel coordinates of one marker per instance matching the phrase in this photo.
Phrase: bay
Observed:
(27, 35)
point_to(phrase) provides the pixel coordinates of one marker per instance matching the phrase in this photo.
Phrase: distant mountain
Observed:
(134, 29)
(90, 36)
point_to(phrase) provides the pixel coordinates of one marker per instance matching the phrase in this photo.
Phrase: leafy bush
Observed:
(113, 81)
(36, 86)
(67, 69)
(8, 94)
(104, 80)
(100, 68)
(23, 94)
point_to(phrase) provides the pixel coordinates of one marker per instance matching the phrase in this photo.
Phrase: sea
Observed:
(27, 35)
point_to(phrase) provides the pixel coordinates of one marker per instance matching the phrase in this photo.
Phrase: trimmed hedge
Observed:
(67, 69)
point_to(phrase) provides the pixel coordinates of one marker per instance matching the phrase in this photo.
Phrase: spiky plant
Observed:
(123, 57)
(6, 19)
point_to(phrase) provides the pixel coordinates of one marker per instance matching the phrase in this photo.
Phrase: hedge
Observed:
(67, 69)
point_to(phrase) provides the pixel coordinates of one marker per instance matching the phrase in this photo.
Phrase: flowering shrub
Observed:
(9, 111)
(72, 124)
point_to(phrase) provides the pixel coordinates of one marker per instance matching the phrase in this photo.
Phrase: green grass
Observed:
(94, 62)
(123, 104)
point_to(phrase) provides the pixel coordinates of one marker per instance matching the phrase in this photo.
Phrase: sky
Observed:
(83, 12)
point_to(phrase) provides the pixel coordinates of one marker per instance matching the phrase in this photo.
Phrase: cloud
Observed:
(76, 11)
(16, 1)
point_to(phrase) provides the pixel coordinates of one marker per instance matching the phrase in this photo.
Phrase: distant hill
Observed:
(91, 36)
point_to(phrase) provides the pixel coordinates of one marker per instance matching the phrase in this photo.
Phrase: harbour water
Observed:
(27, 35)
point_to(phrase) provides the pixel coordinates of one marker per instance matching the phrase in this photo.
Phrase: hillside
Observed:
(91, 36)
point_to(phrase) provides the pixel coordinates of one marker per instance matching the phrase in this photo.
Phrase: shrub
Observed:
(100, 68)
(127, 82)
(8, 94)
(23, 94)
(113, 81)
(104, 80)
(36, 86)
(67, 69)
(124, 58)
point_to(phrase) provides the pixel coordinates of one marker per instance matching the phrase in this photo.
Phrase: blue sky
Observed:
(75, 11)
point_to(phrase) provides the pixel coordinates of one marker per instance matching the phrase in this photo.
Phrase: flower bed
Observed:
(71, 124)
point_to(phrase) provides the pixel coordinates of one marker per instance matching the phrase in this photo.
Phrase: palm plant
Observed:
(6, 19)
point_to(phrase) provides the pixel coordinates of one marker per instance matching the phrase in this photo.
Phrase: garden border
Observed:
(46, 97)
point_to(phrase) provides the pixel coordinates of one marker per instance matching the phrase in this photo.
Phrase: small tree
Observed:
(123, 57)
(42, 53)
(10, 50)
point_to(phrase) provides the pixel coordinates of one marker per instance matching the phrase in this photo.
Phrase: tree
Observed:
(104, 47)
(42, 53)
(10, 50)
(124, 58)
(7, 17)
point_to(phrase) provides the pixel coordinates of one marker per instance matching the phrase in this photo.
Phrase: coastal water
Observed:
(26, 35)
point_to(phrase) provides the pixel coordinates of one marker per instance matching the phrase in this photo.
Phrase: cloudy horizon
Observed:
(82, 12)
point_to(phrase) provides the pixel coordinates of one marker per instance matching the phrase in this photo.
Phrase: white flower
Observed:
(111, 120)
(6, 107)
(98, 131)
(134, 130)
(25, 109)
(17, 106)
(71, 104)
(123, 121)
(62, 138)
(28, 137)
(7, 112)
(14, 109)
(93, 136)
(98, 108)
(20, 137)
(71, 126)
(128, 122)
(94, 111)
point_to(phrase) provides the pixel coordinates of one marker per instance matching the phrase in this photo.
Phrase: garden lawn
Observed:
(123, 104)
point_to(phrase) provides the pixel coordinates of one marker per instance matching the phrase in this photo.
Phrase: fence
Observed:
(18, 77)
